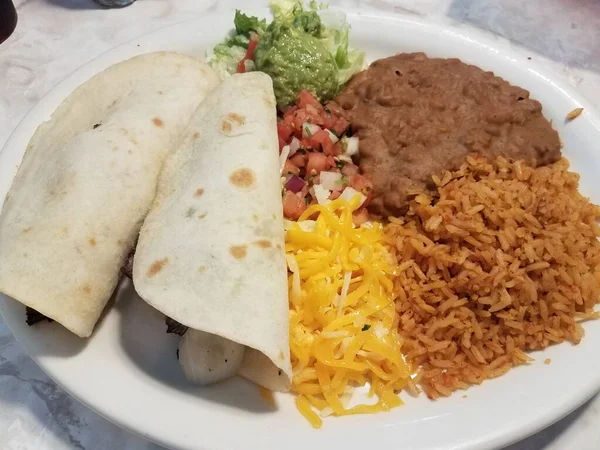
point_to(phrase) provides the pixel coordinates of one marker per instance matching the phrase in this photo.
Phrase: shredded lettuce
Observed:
(329, 27)
(245, 24)
(332, 30)
(336, 38)
(225, 58)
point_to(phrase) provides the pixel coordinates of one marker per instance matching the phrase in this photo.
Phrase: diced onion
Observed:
(321, 194)
(294, 146)
(295, 184)
(295, 269)
(350, 146)
(332, 136)
(330, 180)
(380, 331)
(307, 225)
(349, 194)
(309, 129)
(249, 65)
(344, 294)
(285, 153)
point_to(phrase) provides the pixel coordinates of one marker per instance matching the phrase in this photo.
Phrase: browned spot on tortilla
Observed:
(157, 121)
(123, 131)
(255, 217)
(264, 243)
(198, 192)
(232, 120)
(26, 230)
(157, 266)
(236, 118)
(160, 92)
(92, 242)
(226, 126)
(202, 216)
(65, 230)
(242, 178)
(196, 135)
(278, 246)
(281, 355)
(238, 251)
(202, 269)
(86, 289)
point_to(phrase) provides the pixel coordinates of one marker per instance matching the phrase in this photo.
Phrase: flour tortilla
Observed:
(211, 251)
(87, 181)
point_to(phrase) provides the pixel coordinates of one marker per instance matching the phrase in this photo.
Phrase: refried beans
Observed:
(417, 117)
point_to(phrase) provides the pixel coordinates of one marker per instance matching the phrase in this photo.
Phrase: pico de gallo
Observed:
(316, 154)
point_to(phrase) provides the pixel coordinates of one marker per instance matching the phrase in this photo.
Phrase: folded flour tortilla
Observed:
(211, 252)
(87, 181)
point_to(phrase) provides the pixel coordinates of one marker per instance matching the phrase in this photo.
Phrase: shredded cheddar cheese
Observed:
(343, 323)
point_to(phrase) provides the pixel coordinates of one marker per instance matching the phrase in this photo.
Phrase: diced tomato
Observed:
(249, 56)
(337, 149)
(282, 144)
(340, 126)
(317, 162)
(299, 159)
(322, 138)
(284, 130)
(300, 117)
(289, 167)
(360, 216)
(361, 184)
(333, 108)
(349, 170)
(251, 47)
(293, 205)
(289, 112)
(315, 115)
(306, 143)
(364, 185)
(305, 98)
(328, 122)
(334, 195)
(241, 67)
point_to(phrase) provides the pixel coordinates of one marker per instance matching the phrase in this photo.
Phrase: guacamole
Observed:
(302, 48)
(296, 60)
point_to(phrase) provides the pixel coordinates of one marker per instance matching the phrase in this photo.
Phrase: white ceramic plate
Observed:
(128, 371)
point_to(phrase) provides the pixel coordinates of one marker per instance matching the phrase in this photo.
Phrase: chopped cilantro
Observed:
(366, 327)
(339, 164)
(307, 200)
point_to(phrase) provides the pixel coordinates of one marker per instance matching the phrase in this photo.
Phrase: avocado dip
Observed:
(301, 49)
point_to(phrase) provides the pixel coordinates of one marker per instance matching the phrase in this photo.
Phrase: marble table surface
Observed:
(55, 37)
